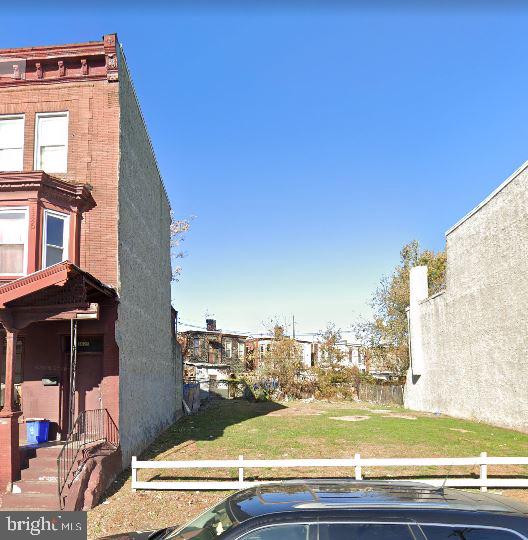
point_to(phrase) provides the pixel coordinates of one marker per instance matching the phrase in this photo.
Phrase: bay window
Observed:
(11, 143)
(55, 238)
(13, 241)
(51, 142)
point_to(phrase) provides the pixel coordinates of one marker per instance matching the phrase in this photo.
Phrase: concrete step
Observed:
(51, 450)
(42, 461)
(48, 473)
(29, 501)
(36, 486)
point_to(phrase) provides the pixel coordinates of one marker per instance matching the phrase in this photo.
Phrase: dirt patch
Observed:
(380, 411)
(403, 416)
(292, 411)
(460, 430)
(350, 418)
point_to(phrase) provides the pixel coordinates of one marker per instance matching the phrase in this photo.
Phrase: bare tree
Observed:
(178, 229)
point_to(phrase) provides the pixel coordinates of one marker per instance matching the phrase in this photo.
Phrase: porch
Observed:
(61, 360)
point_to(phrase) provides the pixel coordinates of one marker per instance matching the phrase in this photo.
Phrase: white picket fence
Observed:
(355, 464)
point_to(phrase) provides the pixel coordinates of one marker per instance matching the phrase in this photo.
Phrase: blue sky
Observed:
(311, 144)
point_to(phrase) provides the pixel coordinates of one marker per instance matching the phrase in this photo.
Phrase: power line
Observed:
(256, 332)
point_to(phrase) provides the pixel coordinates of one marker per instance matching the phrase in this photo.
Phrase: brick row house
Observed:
(212, 353)
(85, 272)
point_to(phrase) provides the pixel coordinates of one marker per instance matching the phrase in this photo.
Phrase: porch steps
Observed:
(37, 488)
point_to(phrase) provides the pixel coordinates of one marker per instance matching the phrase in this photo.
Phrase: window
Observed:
(228, 348)
(196, 346)
(51, 147)
(11, 143)
(13, 241)
(469, 532)
(365, 531)
(241, 350)
(55, 240)
(285, 531)
(206, 526)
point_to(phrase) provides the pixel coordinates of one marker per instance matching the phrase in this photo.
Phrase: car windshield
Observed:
(209, 525)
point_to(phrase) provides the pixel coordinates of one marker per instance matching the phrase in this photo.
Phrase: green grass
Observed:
(229, 428)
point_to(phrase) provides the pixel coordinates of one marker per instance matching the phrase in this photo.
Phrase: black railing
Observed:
(91, 427)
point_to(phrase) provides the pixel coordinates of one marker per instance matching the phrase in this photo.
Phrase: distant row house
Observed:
(214, 354)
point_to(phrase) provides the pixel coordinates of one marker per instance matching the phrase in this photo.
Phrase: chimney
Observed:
(418, 292)
(211, 325)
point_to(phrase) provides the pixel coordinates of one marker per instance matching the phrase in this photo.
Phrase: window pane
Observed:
(12, 228)
(53, 159)
(11, 259)
(279, 532)
(11, 133)
(465, 533)
(53, 255)
(53, 130)
(11, 159)
(54, 231)
(364, 531)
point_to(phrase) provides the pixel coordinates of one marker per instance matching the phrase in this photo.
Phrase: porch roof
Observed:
(55, 275)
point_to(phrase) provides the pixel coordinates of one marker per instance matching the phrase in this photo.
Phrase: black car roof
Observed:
(331, 495)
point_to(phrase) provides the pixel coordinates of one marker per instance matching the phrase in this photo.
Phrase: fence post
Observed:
(241, 470)
(357, 459)
(134, 474)
(483, 471)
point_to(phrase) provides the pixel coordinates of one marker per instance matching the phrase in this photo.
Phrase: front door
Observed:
(89, 375)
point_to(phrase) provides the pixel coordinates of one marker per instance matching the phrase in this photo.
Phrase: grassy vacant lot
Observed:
(270, 430)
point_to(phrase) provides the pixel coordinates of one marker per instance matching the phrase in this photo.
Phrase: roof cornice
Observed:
(94, 60)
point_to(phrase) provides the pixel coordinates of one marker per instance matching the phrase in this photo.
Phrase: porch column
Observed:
(9, 396)
(9, 438)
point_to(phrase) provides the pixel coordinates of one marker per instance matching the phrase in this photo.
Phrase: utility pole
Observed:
(293, 326)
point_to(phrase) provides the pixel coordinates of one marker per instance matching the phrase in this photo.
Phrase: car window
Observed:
(206, 526)
(436, 532)
(364, 531)
(286, 531)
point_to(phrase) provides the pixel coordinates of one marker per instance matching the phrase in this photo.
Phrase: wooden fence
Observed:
(382, 394)
(355, 465)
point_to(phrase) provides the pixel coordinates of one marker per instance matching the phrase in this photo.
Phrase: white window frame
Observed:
(38, 165)
(17, 117)
(241, 349)
(65, 234)
(228, 350)
(22, 210)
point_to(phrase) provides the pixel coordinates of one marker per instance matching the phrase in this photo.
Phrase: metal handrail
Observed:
(91, 427)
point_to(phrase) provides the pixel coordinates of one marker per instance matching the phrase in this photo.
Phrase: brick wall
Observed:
(93, 152)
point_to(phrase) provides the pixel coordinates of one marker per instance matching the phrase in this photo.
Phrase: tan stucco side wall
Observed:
(475, 334)
(150, 376)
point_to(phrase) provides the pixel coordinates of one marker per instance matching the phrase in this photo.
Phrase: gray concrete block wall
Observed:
(475, 334)
(149, 358)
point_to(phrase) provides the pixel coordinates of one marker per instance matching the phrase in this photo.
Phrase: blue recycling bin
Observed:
(37, 430)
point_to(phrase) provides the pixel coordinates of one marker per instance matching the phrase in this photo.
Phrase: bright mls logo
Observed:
(44, 525)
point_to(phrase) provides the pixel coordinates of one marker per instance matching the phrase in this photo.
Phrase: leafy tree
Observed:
(283, 360)
(331, 355)
(385, 338)
(331, 370)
